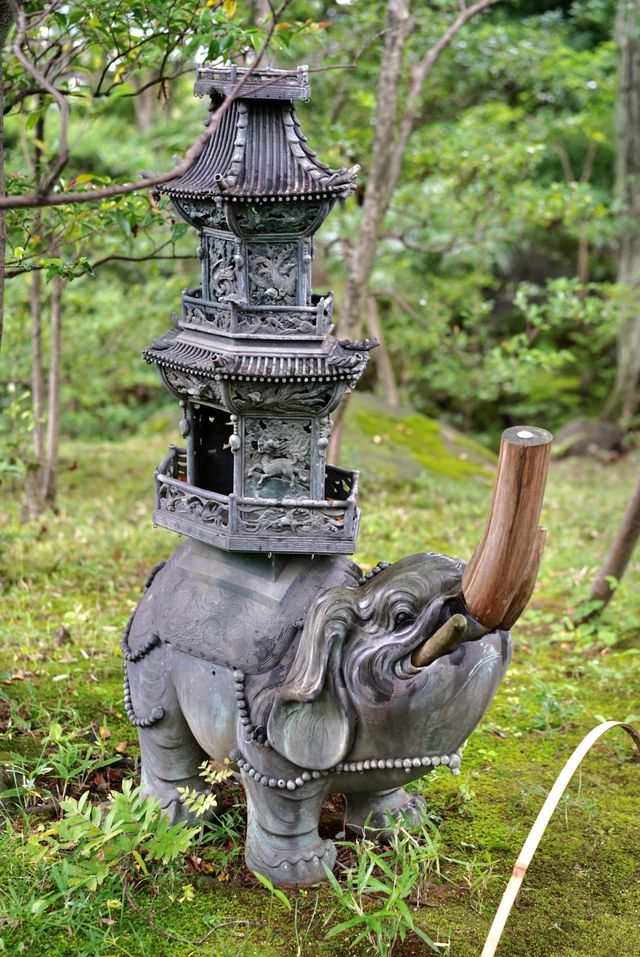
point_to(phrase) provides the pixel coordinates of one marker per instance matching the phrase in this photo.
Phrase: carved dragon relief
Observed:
(275, 324)
(221, 267)
(283, 397)
(174, 499)
(186, 384)
(273, 521)
(277, 218)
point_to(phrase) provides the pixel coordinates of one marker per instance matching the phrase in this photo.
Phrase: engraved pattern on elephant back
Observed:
(201, 616)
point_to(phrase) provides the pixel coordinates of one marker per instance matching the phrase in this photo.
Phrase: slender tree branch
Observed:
(161, 78)
(88, 196)
(40, 78)
(118, 56)
(116, 257)
(565, 161)
(587, 166)
(420, 75)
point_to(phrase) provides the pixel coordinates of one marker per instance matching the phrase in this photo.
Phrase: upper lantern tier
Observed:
(258, 152)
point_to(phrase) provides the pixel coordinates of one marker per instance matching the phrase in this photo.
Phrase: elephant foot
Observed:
(288, 861)
(382, 814)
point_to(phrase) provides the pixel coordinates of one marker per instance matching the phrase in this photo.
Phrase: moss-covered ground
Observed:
(69, 581)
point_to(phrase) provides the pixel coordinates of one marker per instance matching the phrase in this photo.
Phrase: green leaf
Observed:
(277, 893)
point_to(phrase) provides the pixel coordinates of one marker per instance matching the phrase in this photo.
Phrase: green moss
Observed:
(397, 447)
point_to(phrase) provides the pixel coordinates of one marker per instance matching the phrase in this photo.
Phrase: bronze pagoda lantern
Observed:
(252, 358)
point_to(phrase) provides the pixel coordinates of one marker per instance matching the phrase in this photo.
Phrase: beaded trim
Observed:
(380, 567)
(254, 735)
(452, 761)
(137, 720)
(152, 574)
(143, 650)
(133, 656)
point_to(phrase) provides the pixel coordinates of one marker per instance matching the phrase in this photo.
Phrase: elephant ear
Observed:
(312, 721)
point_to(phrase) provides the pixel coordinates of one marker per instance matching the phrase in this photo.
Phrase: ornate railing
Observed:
(236, 523)
(267, 322)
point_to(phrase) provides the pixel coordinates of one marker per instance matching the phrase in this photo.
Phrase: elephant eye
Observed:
(401, 618)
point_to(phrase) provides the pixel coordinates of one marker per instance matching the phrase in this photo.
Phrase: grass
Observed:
(69, 581)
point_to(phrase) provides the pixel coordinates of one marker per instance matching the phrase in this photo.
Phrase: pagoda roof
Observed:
(343, 361)
(258, 151)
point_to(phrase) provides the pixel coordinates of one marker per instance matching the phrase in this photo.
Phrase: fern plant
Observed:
(93, 842)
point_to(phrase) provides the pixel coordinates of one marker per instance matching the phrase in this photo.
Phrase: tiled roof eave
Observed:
(214, 194)
(207, 365)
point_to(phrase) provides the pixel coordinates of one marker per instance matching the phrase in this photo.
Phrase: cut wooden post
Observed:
(499, 579)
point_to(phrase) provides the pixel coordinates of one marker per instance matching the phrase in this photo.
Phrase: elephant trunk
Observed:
(499, 580)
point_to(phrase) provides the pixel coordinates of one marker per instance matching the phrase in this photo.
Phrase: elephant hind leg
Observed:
(171, 756)
(380, 814)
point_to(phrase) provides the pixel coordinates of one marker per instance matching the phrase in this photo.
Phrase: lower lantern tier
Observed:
(285, 526)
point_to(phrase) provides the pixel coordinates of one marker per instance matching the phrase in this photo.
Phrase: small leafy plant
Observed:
(201, 803)
(379, 889)
(93, 843)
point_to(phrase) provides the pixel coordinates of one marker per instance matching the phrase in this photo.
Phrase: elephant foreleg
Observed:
(282, 833)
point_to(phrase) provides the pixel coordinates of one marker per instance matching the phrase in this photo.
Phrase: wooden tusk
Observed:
(524, 593)
(442, 641)
(494, 580)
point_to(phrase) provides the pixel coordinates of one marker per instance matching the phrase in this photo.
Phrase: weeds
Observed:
(383, 886)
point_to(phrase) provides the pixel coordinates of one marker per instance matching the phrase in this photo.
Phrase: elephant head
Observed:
(391, 665)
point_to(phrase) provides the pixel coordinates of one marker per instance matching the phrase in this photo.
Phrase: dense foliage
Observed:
(495, 272)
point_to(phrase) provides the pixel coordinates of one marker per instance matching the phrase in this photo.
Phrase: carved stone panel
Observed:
(312, 397)
(284, 521)
(276, 323)
(220, 264)
(277, 458)
(273, 273)
(172, 498)
(186, 385)
(296, 218)
(212, 318)
(200, 212)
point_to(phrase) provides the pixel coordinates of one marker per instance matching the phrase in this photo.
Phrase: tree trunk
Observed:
(381, 356)
(390, 144)
(376, 194)
(37, 374)
(33, 504)
(615, 564)
(624, 400)
(143, 103)
(6, 22)
(50, 475)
